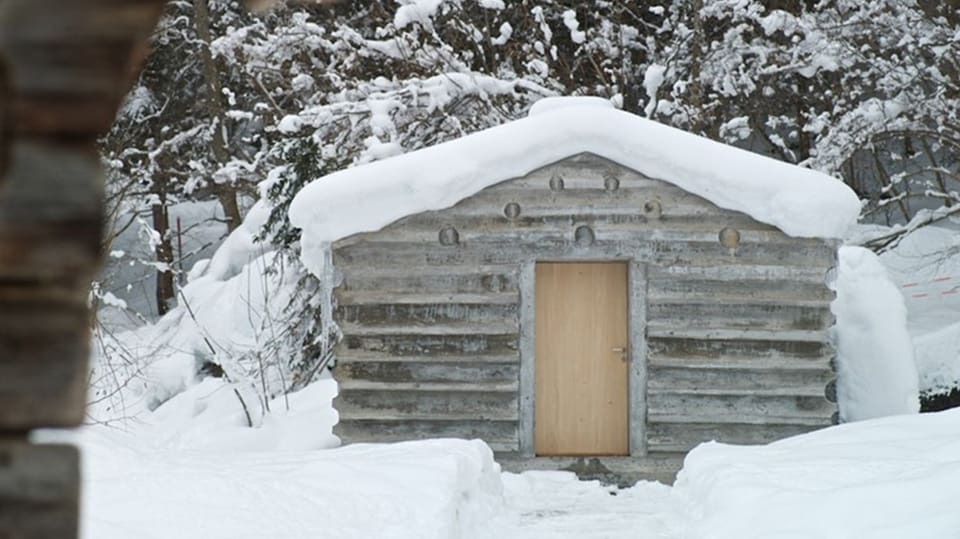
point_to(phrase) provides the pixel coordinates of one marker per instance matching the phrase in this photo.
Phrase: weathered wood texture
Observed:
(65, 65)
(39, 491)
(65, 68)
(737, 342)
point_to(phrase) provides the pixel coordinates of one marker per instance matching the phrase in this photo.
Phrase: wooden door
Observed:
(580, 370)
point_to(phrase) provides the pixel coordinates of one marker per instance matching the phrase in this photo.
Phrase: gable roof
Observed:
(801, 202)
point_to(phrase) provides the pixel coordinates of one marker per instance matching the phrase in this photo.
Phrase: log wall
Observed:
(735, 342)
(65, 66)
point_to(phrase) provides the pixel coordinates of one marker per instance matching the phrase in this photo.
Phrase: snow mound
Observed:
(436, 489)
(801, 202)
(876, 373)
(550, 104)
(926, 267)
(889, 478)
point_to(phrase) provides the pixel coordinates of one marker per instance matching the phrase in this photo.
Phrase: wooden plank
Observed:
(580, 380)
(805, 273)
(699, 231)
(422, 404)
(778, 291)
(679, 330)
(43, 378)
(753, 364)
(427, 372)
(768, 316)
(476, 386)
(544, 209)
(432, 314)
(806, 382)
(39, 490)
(500, 250)
(415, 296)
(685, 436)
(346, 356)
(677, 347)
(482, 280)
(637, 377)
(487, 327)
(700, 408)
(433, 345)
(502, 434)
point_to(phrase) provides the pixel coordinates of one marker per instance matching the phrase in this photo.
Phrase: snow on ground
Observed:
(876, 373)
(191, 470)
(431, 489)
(547, 505)
(883, 479)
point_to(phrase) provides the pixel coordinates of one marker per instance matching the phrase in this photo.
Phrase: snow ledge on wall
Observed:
(799, 201)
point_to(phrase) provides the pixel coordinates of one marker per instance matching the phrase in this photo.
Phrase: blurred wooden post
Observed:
(64, 68)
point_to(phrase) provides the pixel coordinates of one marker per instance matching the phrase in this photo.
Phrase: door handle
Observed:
(622, 351)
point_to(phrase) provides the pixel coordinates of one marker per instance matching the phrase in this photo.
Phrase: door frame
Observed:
(637, 345)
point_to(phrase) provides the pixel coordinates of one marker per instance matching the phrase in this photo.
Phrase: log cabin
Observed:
(583, 289)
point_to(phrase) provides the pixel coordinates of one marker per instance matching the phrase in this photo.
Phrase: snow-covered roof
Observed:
(799, 201)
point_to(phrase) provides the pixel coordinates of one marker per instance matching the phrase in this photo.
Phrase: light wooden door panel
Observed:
(580, 376)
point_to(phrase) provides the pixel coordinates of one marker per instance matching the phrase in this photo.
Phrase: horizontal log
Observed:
(347, 356)
(768, 316)
(433, 345)
(799, 382)
(39, 490)
(686, 436)
(43, 378)
(626, 233)
(701, 408)
(679, 347)
(535, 209)
(679, 330)
(416, 297)
(769, 292)
(413, 404)
(813, 391)
(347, 385)
(488, 327)
(806, 273)
(502, 250)
(421, 372)
(428, 279)
(499, 435)
(435, 314)
(742, 363)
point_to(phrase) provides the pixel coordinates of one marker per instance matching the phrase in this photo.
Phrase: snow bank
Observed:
(876, 373)
(884, 479)
(229, 305)
(209, 416)
(926, 267)
(438, 489)
(799, 201)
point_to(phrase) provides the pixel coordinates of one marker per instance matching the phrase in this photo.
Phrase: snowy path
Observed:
(542, 505)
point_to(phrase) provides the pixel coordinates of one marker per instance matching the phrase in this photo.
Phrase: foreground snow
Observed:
(192, 470)
(888, 478)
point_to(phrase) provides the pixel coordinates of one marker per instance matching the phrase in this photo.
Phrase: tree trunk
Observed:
(226, 193)
(697, 120)
(164, 253)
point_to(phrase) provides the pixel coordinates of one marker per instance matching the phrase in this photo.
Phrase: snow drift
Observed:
(876, 373)
(889, 478)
